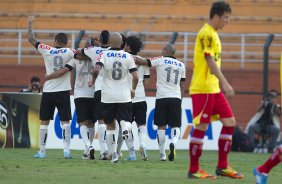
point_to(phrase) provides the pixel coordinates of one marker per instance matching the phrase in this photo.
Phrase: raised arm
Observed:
(31, 37)
(80, 56)
(140, 61)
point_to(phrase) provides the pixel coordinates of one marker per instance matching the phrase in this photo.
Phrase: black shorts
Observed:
(51, 100)
(118, 111)
(97, 106)
(84, 108)
(168, 112)
(139, 112)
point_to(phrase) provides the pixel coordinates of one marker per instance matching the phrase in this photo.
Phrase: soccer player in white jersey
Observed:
(139, 105)
(83, 99)
(171, 75)
(116, 91)
(56, 92)
(93, 53)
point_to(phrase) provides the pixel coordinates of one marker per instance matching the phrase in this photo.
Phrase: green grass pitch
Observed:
(17, 166)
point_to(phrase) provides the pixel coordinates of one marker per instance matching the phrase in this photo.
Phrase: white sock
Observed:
(111, 141)
(130, 144)
(66, 136)
(175, 135)
(101, 137)
(142, 135)
(91, 134)
(85, 135)
(43, 133)
(119, 141)
(161, 140)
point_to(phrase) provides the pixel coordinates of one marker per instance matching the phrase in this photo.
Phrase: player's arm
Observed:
(79, 54)
(135, 79)
(182, 87)
(214, 69)
(59, 73)
(146, 77)
(140, 60)
(95, 73)
(31, 37)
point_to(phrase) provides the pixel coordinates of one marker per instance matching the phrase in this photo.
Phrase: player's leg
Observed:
(124, 113)
(261, 172)
(202, 110)
(46, 113)
(160, 119)
(119, 139)
(174, 119)
(101, 126)
(64, 110)
(225, 138)
(139, 113)
(109, 115)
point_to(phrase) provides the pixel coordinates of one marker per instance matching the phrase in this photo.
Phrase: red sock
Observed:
(195, 149)
(271, 162)
(224, 146)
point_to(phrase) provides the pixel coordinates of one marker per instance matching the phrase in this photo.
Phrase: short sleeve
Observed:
(206, 41)
(43, 49)
(156, 61)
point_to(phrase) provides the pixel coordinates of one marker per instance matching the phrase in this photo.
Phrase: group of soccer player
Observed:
(109, 88)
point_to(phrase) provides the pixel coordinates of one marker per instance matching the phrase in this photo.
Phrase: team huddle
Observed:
(109, 89)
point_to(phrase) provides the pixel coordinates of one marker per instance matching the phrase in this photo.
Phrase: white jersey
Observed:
(55, 59)
(169, 73)
(117, 64)
(93, 53)
(83, 71)
(143, 72)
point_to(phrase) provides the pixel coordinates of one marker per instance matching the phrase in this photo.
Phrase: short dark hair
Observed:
(104, 37)
(123, 41)
(34, 79)
(134, 43)
(61, 38)
(219, 8)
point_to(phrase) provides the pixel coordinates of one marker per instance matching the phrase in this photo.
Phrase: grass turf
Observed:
(19, 166)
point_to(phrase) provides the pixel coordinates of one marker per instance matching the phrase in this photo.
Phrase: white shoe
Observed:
(162, 157)
(114, 158)
(91, 153)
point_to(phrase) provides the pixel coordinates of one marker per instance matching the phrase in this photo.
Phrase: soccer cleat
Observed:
(130, 158)
(172, 152)
(67, 155)
(91, 153)
(85, 156)
(114, 158)
(143, 153)
(228, 172)
(119, 153)
(162, 157)
(40, 155)
(200, 174)
(104, 156)
(260, 178)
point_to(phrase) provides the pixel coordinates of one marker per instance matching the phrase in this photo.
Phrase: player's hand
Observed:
(31, 19)
(228, 90)
(90, 83)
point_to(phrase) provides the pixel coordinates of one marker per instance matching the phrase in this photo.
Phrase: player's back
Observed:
(169, 73)
(115, 88)
(82, 77)
(55, 59)
(93, 53)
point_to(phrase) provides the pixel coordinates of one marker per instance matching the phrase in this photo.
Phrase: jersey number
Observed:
(86, 65)
(58, 63)
(176, 72)
(117, 72)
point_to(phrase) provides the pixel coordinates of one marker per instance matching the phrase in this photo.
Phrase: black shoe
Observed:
(171, 152)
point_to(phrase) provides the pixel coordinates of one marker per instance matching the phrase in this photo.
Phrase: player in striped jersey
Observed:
(56, 92)
(93, 53)
(139, 105)
(171, 75)
(116, 91)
